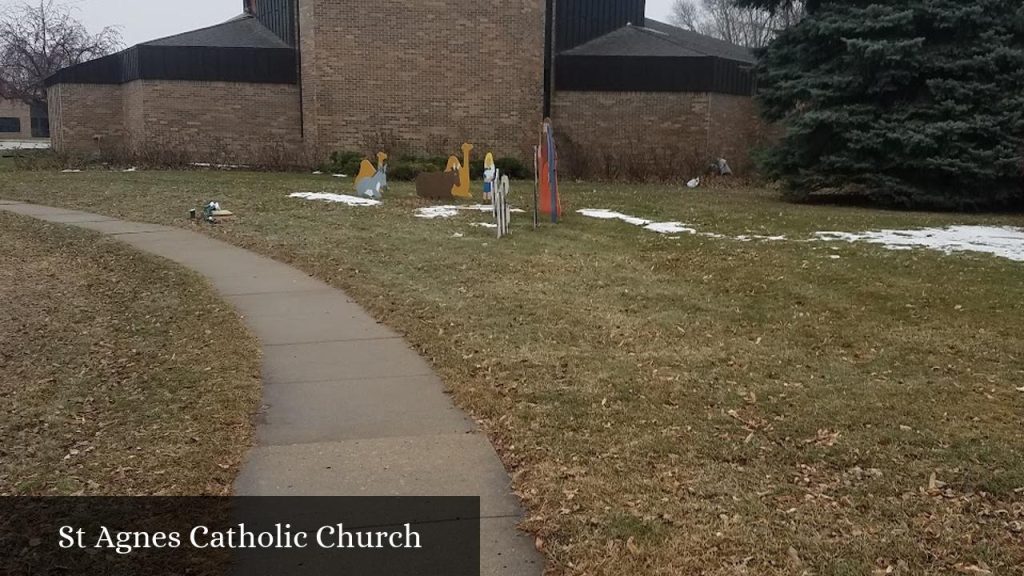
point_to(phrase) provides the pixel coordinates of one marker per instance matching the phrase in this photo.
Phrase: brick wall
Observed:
(653, 135)
(21, 111)
(86, 119)
(426, 76)
(737, 130)
(178, 121)
(213, 121)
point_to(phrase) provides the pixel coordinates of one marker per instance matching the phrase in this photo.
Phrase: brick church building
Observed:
(293, 80)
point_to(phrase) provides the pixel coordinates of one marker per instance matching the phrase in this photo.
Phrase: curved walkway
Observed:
(349, 409)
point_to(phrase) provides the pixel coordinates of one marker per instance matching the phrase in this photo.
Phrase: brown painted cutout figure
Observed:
(439, 185)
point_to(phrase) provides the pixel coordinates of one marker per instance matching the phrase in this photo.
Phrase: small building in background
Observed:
(291, 81)
(227, 93)
(20, 121)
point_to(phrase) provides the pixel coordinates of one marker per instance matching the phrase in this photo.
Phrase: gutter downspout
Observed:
(549, 55)
(298, 64)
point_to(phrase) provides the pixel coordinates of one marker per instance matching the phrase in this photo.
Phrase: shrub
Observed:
(910, 103)
(404, 170)
(514, 168)
(343, 162)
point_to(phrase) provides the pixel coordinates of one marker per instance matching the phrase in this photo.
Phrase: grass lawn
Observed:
(685, 405)
(120, 374)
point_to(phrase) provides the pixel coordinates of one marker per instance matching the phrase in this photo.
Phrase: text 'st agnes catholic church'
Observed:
(298, 79)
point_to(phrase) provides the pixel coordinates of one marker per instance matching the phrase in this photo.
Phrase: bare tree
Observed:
(749, 27)
(37, 40)
(687, 14)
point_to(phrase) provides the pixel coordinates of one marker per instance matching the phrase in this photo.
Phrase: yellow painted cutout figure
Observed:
(462, 189)
(366, 169)
(490, 177)
(371, 183)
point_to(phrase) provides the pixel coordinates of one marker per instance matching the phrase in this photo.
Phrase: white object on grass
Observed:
(70, 171)
(693, 183)
(1003, 241)
(484, 224)
(723, 167)
(336, 198)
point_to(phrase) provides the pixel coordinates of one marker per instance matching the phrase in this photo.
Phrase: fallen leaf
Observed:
(794, 557)
(981, 569)
(934, 484)
(825, 437)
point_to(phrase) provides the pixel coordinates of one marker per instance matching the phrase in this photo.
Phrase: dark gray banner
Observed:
(319, 536)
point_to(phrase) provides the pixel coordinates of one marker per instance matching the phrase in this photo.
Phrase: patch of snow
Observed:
(604, 214)
(340, 175)
(483, 208)
(665, 227)
(431, 212)
(70, 171)
(336, 198)
(218, 166)
(484, 224)
(659, 227)
(752, 237)
(670, 228)
(24, 145)
(132, 169)
(1003, 241)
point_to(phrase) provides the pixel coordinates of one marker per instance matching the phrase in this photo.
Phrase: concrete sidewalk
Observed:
(349, 409)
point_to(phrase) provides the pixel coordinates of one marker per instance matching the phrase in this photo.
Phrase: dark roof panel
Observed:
(701, 43)
(631, 41)
(242, 32)
(656, 39)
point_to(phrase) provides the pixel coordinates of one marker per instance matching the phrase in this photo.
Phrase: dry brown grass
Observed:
(120, 374)
(690, 405)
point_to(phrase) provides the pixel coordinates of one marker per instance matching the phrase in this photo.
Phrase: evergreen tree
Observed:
(913, 103)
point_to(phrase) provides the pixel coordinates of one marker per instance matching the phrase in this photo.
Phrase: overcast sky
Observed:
(142, 20)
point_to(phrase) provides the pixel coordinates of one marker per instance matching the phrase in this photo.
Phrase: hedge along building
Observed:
(298, 79)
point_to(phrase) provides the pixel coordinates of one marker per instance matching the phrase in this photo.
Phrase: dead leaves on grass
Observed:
(103, 380)
(979, 569)
(825, 437)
